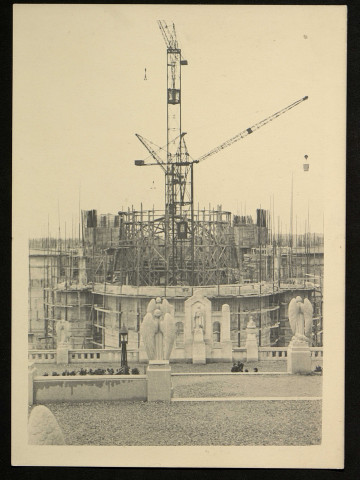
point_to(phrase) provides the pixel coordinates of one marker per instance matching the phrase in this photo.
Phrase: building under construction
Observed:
(106, 278)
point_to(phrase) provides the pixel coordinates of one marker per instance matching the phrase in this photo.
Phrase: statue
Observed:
(158, 329)
(251, 323)
(62, 332)
(300, 318)
(199, 318)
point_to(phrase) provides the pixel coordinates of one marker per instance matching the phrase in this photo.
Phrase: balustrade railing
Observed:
(114, 355)
(272, 353)
(83, 356)
(42, 356)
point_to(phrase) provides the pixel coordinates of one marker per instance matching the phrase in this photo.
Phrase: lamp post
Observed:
(123, 340)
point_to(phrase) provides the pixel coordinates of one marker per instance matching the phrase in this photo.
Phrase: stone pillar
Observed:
(62, 353)
(298, 357)
(32, 371)
(225, 334)
(199, 349)
(252, 348)
(158, 381)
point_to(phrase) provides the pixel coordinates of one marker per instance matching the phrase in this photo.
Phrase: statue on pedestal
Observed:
(198, 324)
(300, 318)
(158, 329)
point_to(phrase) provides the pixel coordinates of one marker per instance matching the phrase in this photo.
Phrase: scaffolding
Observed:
(137, 253)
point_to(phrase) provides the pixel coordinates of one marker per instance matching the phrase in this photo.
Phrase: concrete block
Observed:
(158, 381)
(199, 353)
(62, 354)
(227, 353)
(298, 359)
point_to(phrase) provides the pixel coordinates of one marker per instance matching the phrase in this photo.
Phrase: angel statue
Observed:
(158, 329)
(300, 318)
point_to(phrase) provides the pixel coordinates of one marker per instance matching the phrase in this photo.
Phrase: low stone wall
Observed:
(82, 388)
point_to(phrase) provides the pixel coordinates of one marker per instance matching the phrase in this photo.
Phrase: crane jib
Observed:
(250, 130)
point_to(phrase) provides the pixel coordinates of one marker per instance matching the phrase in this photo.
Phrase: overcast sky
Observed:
(80, 97)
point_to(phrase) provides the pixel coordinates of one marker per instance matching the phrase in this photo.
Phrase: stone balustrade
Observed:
(42, 356)
(114, 355)
(272, 353)
(280, 353)
(83, 356)
(316, 352)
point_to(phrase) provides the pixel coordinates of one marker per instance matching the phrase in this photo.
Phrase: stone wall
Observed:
(89, 388)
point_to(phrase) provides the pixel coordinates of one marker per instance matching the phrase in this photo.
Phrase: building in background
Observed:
(107, 278)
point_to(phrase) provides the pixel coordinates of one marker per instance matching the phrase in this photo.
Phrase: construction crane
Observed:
(178, 166)
(250, 130)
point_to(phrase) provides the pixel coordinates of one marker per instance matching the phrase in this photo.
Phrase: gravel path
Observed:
(193, 423)
(244, 385)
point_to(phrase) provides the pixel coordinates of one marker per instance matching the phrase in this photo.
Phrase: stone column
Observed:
(298, 357)
(158, 381)
(225, 334)
(32, 371)
(252, 348)
(62, 353)
(199, 349)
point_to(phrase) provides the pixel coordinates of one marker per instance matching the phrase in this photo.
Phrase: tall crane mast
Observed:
(178, 175)
(179, 180)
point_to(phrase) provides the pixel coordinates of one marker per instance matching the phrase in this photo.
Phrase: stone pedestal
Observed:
(62, 353)
(31, 374)
(158, 381)
(199, 349)
(252, 348)
(298, 357)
